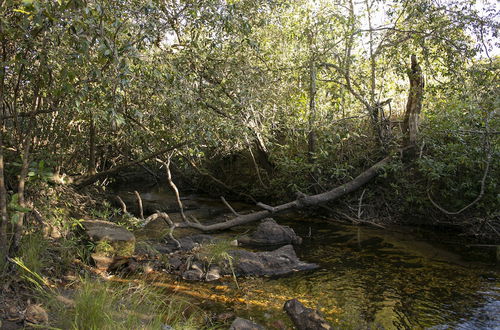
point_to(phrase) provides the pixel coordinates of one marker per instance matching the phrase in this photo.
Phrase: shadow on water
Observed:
(369, 278)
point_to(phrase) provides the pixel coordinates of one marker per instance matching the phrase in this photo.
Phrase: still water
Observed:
(368, 278)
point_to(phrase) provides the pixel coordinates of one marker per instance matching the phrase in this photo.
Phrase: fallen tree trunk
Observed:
(301, 202)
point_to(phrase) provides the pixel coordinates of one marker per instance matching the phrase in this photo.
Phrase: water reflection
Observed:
(369, 278)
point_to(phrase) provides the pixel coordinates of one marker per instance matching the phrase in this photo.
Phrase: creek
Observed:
(397, 278)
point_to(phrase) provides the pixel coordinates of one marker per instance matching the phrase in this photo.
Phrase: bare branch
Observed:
(173, 186)
(139, 202)
(229, 206)
(489, 157)
(122, 203)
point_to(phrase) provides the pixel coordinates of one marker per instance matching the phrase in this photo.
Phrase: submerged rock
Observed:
(187, 243)
(269, 232)
(269, 263)
(305, 318)
(244, 324)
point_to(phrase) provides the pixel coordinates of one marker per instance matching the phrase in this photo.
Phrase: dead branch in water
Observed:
(302, 201)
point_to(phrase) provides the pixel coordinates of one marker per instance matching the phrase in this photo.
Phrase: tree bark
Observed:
(21, 186)
(3, 191)
(312, 112)
(414, 104)
(3, 197)
(92, 135)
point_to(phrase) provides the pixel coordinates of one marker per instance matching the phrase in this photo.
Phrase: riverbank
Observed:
(367, 275)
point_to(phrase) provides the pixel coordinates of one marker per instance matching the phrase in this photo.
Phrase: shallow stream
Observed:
(397, 278)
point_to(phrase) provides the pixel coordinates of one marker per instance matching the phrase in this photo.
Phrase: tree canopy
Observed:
(268, 97)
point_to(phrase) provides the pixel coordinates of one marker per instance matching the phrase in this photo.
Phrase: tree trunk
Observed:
(3, 197)
(414, 104)
(312, 112)
(92, 135)
(19, 225)
(3, 191)
(263, 154)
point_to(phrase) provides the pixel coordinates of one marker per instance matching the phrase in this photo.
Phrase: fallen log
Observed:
(302, 201)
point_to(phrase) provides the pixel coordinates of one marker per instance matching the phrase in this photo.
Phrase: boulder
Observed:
(305, 318)
(244, 324)
(269, 263)
(111, 238)
(114, 244)
(269, 232)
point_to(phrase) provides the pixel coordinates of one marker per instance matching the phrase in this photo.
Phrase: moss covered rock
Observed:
(110, 238)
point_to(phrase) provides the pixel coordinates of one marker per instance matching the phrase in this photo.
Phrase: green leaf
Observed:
(22, 11)
(14, 218)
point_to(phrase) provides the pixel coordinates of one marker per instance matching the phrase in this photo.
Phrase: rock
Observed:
(243, 324)
(36, 314)
(213, 274)
(187, 243)
(193, 275)
(224, 317)
(67, 302)
(271, 233)
(175, 262)
(111, 239)
(305, 318)
(111, 263)
(278, 262)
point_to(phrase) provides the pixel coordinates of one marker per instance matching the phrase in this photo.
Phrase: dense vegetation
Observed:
(260, 98)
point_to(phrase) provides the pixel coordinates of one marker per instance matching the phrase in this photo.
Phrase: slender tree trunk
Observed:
(92, 136)
(21, 186)
(312, 111)
(263, 154)
(3, 191)
(414, 104)
(3, 197)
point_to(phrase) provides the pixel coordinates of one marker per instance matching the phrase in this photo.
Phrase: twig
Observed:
(256, 168)
(173, 186)
(266, 207)
(139, 201)
(360, 211)
(229, 206)
(122, 203)
(489, 157)
(169, 222)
